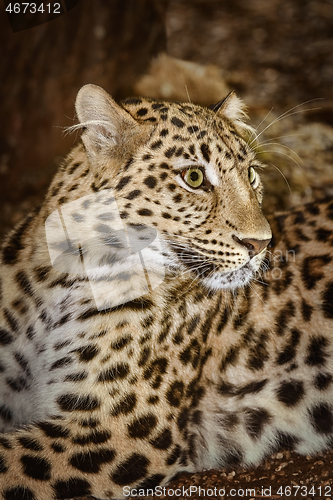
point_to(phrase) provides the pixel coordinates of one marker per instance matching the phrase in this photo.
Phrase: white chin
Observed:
(230, 280)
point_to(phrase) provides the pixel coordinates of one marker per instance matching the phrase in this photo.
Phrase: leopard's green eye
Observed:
(252, 175)
(194, 177)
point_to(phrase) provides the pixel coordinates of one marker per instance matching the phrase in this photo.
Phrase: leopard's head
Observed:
(181, 190)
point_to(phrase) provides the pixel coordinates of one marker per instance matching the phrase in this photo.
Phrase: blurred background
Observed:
(276, 54)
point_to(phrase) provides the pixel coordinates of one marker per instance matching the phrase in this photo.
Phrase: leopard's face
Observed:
(196, 181)
(188, 195)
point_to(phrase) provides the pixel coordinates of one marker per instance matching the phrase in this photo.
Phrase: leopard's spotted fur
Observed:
(206, 367)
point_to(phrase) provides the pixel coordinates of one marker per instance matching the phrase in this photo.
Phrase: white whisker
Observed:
(287, 114)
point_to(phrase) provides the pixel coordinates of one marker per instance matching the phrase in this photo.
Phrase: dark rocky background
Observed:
(41, 71)
(276, 54)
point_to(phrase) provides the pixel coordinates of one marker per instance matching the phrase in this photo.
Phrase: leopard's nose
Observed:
(253, 246)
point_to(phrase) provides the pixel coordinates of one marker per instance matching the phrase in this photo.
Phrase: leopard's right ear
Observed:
(232, 108)
(103, 121)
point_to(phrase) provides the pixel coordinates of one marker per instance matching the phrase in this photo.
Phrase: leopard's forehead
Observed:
(183, 129)
(153, 110)
(183, 117)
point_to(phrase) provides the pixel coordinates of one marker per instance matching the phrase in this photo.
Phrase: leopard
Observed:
(152, 319)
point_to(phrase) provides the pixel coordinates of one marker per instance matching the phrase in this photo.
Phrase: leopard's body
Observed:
(189, 364)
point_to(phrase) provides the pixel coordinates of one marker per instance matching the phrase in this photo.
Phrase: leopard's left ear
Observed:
(232, 108)
(104, 123)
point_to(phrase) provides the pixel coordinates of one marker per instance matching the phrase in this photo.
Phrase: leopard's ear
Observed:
(103, 121)
(232, 108)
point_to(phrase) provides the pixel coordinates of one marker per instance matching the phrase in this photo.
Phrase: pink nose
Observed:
(253, 246)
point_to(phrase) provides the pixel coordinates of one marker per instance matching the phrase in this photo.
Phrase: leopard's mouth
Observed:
(208, 269)
(195, 261)
(230, 280)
